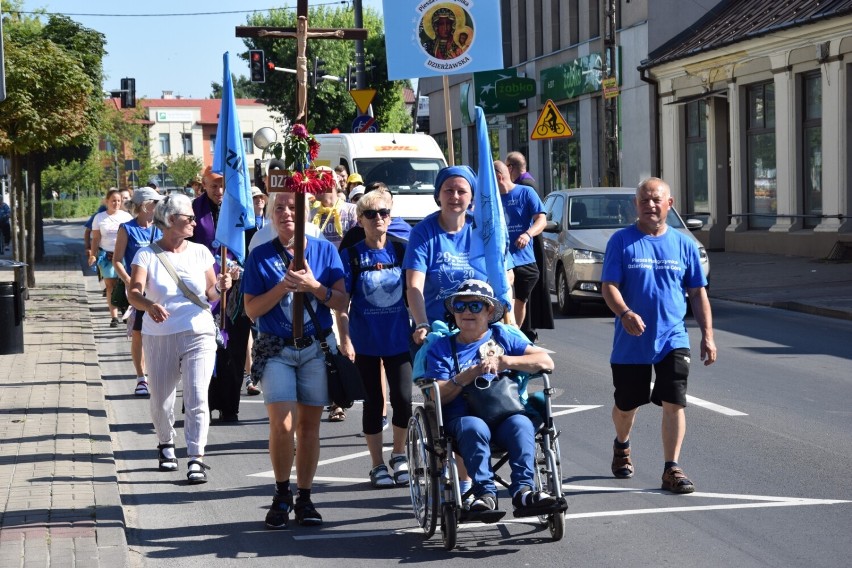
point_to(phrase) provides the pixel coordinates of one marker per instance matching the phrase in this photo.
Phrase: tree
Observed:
(243, 88)
(183, 168)
(51, 95)
(329, 105)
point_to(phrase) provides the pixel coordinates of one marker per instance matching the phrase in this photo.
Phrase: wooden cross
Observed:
(301, 33)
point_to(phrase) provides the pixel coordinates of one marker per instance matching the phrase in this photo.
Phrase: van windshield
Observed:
(403, 176)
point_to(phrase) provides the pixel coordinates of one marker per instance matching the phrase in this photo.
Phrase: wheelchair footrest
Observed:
(559, 507)
(487, 517)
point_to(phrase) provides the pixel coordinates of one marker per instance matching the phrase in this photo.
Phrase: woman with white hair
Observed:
(173, 282)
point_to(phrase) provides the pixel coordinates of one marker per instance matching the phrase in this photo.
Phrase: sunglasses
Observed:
(189, 218)
(371, 213)
(475, 306)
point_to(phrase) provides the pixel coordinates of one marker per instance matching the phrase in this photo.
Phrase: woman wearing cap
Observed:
(178, 331)
(133, 235)
(104, 232)
(479, 350)
(292, 369)
(437, 257)
(374, 333)
(352, 181)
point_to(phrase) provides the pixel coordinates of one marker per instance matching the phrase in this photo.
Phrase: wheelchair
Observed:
(433, 473)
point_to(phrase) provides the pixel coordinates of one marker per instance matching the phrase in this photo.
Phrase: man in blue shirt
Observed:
(525, 219)
(646, 268)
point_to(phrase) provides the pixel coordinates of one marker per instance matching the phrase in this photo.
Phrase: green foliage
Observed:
(243, 88)
(81, 208)
(329, 105)
(183, 168)
(77, 178)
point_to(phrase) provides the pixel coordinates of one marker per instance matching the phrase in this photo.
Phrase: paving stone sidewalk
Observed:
(59, 498)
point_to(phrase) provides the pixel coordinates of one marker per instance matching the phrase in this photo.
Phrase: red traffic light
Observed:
(270, 65)
(255, 56)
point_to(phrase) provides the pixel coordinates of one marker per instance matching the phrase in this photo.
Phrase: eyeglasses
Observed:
(189, 218)
(371, 213)
(475, 306)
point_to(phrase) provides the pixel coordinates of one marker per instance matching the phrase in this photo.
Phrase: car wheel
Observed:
(567, 306)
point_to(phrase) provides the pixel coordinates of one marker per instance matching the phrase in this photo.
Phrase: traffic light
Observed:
(257, 66)
(319, 71)
(128, 93)
(258, 172)
(351, 77)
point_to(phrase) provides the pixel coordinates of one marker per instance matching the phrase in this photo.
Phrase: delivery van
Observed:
(406, 163)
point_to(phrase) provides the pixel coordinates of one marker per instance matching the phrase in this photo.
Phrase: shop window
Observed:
(761, 155)
(812, 148)
(696, 157)
(566, 152)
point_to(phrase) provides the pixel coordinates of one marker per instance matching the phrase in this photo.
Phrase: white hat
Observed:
(357, 190)
(477, 289)
(145, 193)
(256, 192)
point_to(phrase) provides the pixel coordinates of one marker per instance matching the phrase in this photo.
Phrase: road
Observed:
(768, 446)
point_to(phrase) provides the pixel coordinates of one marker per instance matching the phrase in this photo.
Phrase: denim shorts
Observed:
(297, 375)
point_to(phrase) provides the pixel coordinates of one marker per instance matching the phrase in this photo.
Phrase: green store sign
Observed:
(570, 80)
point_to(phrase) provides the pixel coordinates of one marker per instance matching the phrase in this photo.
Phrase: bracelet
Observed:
(424, 325)
(453, 380)
(624, 313)
(216, 287)
(529, 236)
(328, 292)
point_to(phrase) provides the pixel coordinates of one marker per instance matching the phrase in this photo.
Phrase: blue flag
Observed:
(490, 244)
(229, 159)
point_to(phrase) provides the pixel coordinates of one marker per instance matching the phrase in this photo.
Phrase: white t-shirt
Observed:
(190, 266)
(108, 226)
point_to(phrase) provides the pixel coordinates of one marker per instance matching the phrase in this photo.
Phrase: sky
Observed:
(163, 49)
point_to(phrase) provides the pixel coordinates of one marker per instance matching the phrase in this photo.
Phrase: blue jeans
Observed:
(515, 434)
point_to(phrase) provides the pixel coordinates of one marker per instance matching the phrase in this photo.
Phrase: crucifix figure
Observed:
(301, 33)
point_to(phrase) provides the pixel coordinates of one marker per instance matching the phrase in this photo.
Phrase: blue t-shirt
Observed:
(265, 268)
(520, 206)
(441, 366)
(378, 318)
(137, 237)
(652, 274)
(443, 257)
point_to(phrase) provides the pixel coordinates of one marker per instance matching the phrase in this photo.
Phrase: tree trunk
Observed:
(32, 203)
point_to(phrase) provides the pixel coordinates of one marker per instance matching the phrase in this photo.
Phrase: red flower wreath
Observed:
(299, 150)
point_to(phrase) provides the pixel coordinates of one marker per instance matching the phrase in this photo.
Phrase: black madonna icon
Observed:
(446, 33)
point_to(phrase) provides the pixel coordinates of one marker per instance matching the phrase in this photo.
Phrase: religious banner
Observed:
(427, 38)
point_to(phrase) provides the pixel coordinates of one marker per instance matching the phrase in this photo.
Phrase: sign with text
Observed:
(430, 38)
(485, 92)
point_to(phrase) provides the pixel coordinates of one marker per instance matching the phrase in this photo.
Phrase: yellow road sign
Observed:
(362, 98)
(550, 124)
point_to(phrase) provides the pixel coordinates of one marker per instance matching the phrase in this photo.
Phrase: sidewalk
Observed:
(61, 506)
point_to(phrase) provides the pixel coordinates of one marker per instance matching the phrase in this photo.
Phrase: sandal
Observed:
(399, 466)
(380, 478)
(622, 467)
(195, 473)
(336, 414)
(675, 480)
(141, 389)
(166, 463)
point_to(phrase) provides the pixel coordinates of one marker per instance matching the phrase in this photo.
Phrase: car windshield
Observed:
(607, 211)
(403, 176)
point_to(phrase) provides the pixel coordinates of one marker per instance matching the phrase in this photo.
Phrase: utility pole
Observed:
(611, 157)
(360, 77)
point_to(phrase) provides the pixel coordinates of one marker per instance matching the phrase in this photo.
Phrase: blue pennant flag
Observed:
(490, 244)
(229, 159)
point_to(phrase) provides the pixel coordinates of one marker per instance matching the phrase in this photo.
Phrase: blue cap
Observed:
(454, 171)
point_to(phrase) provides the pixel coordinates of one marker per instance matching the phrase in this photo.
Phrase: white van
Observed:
(406, 163)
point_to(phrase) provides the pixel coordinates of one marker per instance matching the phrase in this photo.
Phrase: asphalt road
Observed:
(768, 446)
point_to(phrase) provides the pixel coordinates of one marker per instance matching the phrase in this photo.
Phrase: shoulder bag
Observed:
(495, 398)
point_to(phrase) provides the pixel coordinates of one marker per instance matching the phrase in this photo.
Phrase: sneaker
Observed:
(485, 502)
(399, 466)
(113, 322)
(675, 480)
(251, 388)
(306, 514)
(279, 513)
(380, 478)
(528, 499)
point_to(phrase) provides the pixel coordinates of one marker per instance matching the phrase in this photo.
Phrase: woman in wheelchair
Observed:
(466, 362)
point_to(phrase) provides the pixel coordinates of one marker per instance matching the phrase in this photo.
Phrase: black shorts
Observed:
(633, 382)
(526, 276)
(137, 322)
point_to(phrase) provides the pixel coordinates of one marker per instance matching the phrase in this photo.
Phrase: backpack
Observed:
(357, 269)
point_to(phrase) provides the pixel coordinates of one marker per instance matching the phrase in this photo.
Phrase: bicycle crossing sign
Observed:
(550, 124)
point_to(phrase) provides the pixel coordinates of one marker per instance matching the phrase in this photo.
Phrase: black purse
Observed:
(345, 385)
(493, 399)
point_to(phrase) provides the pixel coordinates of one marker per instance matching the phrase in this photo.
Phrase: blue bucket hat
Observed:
(454, 171)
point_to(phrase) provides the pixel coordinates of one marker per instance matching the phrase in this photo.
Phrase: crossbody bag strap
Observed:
(191, 296)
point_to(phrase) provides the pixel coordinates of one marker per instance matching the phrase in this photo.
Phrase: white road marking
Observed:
(711, 405)
(572, 408)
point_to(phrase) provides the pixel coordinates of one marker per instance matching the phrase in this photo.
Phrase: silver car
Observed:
(579, 225)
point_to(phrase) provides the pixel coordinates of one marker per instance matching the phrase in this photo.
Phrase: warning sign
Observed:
(550, 124)
(362, 98)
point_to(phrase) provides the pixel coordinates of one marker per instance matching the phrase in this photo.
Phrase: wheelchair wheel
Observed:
(424, 472)
(449, 525)
(547, 476)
